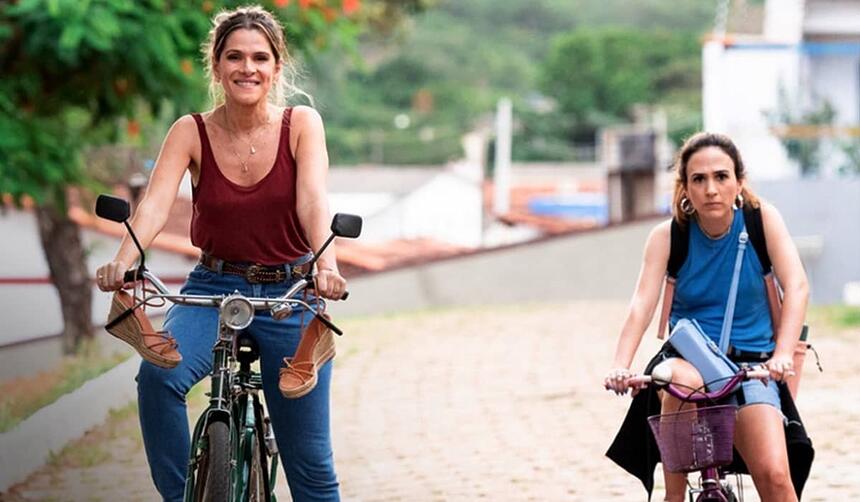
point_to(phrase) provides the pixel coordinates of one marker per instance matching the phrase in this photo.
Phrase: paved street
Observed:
(493, 404)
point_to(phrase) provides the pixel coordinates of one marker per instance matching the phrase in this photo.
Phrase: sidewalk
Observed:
(493, 404)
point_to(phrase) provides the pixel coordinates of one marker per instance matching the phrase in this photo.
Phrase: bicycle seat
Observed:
(247, 350)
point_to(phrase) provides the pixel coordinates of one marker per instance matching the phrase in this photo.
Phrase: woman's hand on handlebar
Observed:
(618, 381)
(330, 284)
(780, 366)
(109, 277)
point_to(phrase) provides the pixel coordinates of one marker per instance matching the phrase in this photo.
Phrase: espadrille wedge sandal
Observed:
(129, 323)
(298, 376)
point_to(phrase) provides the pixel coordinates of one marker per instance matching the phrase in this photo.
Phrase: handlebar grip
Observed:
(330, 325)
(343, 297)
(639, 380)
(130, 275)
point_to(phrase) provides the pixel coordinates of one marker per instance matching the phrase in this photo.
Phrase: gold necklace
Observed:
(252, 150)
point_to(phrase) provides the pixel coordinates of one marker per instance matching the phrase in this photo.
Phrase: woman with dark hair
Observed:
(258, 171)
(710, 198)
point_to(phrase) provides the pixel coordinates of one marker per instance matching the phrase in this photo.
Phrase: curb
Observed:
(30, 445)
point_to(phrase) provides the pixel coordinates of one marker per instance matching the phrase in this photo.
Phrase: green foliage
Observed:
(467, 54)
(75, 70)
(851, 149)
(608, 70)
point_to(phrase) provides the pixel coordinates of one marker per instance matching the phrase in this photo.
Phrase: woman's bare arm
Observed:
(791, 276)
(151, 214)
(647, 294)
(308, 136)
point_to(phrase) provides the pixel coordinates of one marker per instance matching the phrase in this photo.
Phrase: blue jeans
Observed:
(301, 425)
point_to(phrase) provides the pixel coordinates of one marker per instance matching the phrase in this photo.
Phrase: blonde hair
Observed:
(252, 17)
(695, 143)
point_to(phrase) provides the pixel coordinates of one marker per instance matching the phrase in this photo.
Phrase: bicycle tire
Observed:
(258, 479)
(216, 479)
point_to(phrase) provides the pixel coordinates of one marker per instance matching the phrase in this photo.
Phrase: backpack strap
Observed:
(755, 229)
(668, 296)
(679, 246)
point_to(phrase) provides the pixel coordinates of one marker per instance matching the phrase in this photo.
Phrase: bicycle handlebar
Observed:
(274, 304)
(697, 395)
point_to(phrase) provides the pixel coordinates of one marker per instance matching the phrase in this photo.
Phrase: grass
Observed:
(94, 448)
(837, 316)
(21, 397)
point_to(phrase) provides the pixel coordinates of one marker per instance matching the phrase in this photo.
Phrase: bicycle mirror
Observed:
(346, 225)
(112, 208)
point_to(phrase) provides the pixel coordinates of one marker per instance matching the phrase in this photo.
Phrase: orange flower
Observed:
(206, 6)
(329, 14)
(133, 128)
(304, 4)
(282, 3)
(186, 66)
(350, 6)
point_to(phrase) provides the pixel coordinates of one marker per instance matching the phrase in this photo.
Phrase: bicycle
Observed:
(699, 439)
(234, 456)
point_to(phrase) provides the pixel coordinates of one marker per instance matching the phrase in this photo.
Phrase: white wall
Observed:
(783, 20)
(831, 17)
(740, 86)
(446, 208)
(601, 264)
(836, 78)
(31, 311)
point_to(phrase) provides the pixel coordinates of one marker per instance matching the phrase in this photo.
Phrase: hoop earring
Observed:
(687, 206)
(739, 201)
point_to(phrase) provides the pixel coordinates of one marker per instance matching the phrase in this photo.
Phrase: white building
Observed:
(442, 203)
(806, 50)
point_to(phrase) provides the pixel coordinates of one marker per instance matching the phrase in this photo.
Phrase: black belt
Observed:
(747, 355)
(255, 273)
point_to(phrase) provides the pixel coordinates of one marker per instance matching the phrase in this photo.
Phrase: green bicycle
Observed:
(234, 456)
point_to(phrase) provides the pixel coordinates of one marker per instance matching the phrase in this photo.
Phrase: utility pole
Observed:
(502, 166)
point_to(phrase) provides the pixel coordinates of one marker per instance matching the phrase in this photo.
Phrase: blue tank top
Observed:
(702, 289)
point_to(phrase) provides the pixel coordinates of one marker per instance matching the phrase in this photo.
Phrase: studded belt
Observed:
(255, 273)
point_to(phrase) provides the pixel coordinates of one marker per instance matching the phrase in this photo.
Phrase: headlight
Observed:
(237, 312)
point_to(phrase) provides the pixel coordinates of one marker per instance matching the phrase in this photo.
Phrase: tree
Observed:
(596, 75)
(73, 69)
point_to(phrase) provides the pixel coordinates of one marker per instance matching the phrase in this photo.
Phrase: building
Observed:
(769, 70)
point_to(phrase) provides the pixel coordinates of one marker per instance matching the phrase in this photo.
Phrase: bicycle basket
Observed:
(695, 439)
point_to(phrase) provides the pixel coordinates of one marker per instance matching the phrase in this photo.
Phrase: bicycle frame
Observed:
(234, 399)
(234, 391)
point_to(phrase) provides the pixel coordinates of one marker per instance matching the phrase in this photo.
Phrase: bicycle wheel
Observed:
(258, 478)
(215, 470)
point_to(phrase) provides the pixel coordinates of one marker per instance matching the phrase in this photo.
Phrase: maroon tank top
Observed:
(256, 224)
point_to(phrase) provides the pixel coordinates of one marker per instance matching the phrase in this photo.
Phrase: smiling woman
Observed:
(258, 171)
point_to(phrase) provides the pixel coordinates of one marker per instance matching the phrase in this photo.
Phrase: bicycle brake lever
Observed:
(330, 325)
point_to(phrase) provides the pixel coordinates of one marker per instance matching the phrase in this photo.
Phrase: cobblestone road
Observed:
(487, 404)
